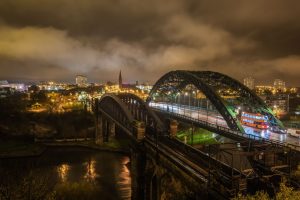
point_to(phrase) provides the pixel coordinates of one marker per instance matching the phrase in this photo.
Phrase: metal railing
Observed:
(228, 130)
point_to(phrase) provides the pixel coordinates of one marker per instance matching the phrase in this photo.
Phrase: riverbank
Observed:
(67, 173)
(15, 149)
(117, 146)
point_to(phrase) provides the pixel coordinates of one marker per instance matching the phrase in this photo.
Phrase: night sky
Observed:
(57, 39)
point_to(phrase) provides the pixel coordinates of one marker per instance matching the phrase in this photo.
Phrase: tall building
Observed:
(81, 81)
(120, 80)
(279, 84)
(249, 82)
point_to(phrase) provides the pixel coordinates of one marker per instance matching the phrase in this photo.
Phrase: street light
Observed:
(206, 110)
(178, 102)
(185, 94)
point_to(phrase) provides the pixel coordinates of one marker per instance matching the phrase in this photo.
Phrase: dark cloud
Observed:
(39, 39)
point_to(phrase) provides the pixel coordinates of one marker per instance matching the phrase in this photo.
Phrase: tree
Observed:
(39, 97)
(284, 193)
(33, 89)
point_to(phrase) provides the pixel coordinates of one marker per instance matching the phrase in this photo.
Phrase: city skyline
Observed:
(60, 39)
(133, 99)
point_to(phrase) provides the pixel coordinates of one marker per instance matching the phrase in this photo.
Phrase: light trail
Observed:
(215, 118)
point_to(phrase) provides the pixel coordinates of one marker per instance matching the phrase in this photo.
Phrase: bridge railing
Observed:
(216, 170)
(228, 130)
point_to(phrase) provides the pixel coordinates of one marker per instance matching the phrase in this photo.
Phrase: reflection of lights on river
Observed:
(63, 171)
(125, 179)
(91, 174)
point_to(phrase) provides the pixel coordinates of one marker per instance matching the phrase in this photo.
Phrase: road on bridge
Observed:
(212, 117)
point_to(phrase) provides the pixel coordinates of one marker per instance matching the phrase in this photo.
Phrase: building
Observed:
(279, 84)
(249, 82)
(3, 83)
(81, 81)
(278, 103)
(5, 92)
(20, 87)
(51, 86)
(120, 80)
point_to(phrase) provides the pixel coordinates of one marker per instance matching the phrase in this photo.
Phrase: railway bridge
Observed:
(161, 163)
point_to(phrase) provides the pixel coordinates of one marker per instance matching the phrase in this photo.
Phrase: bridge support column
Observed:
(138, 164)
(173, 128)
(106, 130)
(140, 130)
(99, 129)
(112, 130)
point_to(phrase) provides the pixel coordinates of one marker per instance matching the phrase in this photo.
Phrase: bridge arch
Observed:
(111, 105)
(215, 86)
(142, 112)
(131, 113)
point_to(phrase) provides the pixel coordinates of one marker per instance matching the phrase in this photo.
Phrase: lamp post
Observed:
(206, 110)
(185, 94)
(190, 104)
(288, 103)
(178, 103)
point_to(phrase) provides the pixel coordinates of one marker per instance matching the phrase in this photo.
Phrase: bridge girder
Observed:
(142, 112)
(210, 84)
(127, 109)
(118, 110)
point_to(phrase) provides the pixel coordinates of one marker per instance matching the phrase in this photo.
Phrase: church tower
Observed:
(120, 79)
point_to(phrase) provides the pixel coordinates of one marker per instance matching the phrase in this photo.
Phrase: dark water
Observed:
(99, 175)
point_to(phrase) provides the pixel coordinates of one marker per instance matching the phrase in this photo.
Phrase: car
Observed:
(276, 129)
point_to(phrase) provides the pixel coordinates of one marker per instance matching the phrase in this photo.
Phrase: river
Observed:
(73, 173)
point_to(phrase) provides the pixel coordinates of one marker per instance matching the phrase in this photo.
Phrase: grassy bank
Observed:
(200, 136)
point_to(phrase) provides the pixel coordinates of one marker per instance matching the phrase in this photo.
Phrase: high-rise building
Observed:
(120, 80)
(81, 81)
(279, 84)
(249, 82)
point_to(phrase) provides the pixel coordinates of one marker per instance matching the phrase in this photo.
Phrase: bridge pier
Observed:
(173, 128)
(140, 130)
(138, 164)
(98, 131)
(112, 130)
(105, 129)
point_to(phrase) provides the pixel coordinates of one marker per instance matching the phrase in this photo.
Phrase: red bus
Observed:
(255, 120)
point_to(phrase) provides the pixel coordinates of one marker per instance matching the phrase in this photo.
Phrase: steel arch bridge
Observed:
(225, 94)
(142, 112)
(128, 112)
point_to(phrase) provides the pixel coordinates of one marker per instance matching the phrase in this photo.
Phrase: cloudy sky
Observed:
(57, 39)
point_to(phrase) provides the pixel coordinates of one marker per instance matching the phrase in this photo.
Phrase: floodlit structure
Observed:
(208, 96)
(81, 81)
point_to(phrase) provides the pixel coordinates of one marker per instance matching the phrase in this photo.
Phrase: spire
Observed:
(120, 79)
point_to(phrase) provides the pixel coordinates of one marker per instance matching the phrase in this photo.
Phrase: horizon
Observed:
(146, 40)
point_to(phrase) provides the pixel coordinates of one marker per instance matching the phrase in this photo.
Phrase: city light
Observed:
(131, 99)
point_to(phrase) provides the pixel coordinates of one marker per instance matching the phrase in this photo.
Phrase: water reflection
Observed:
(91, 173)
(125, 179)
(79, 173)
(63, 172)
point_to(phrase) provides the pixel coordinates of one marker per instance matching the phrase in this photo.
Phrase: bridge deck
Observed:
(221, 128)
